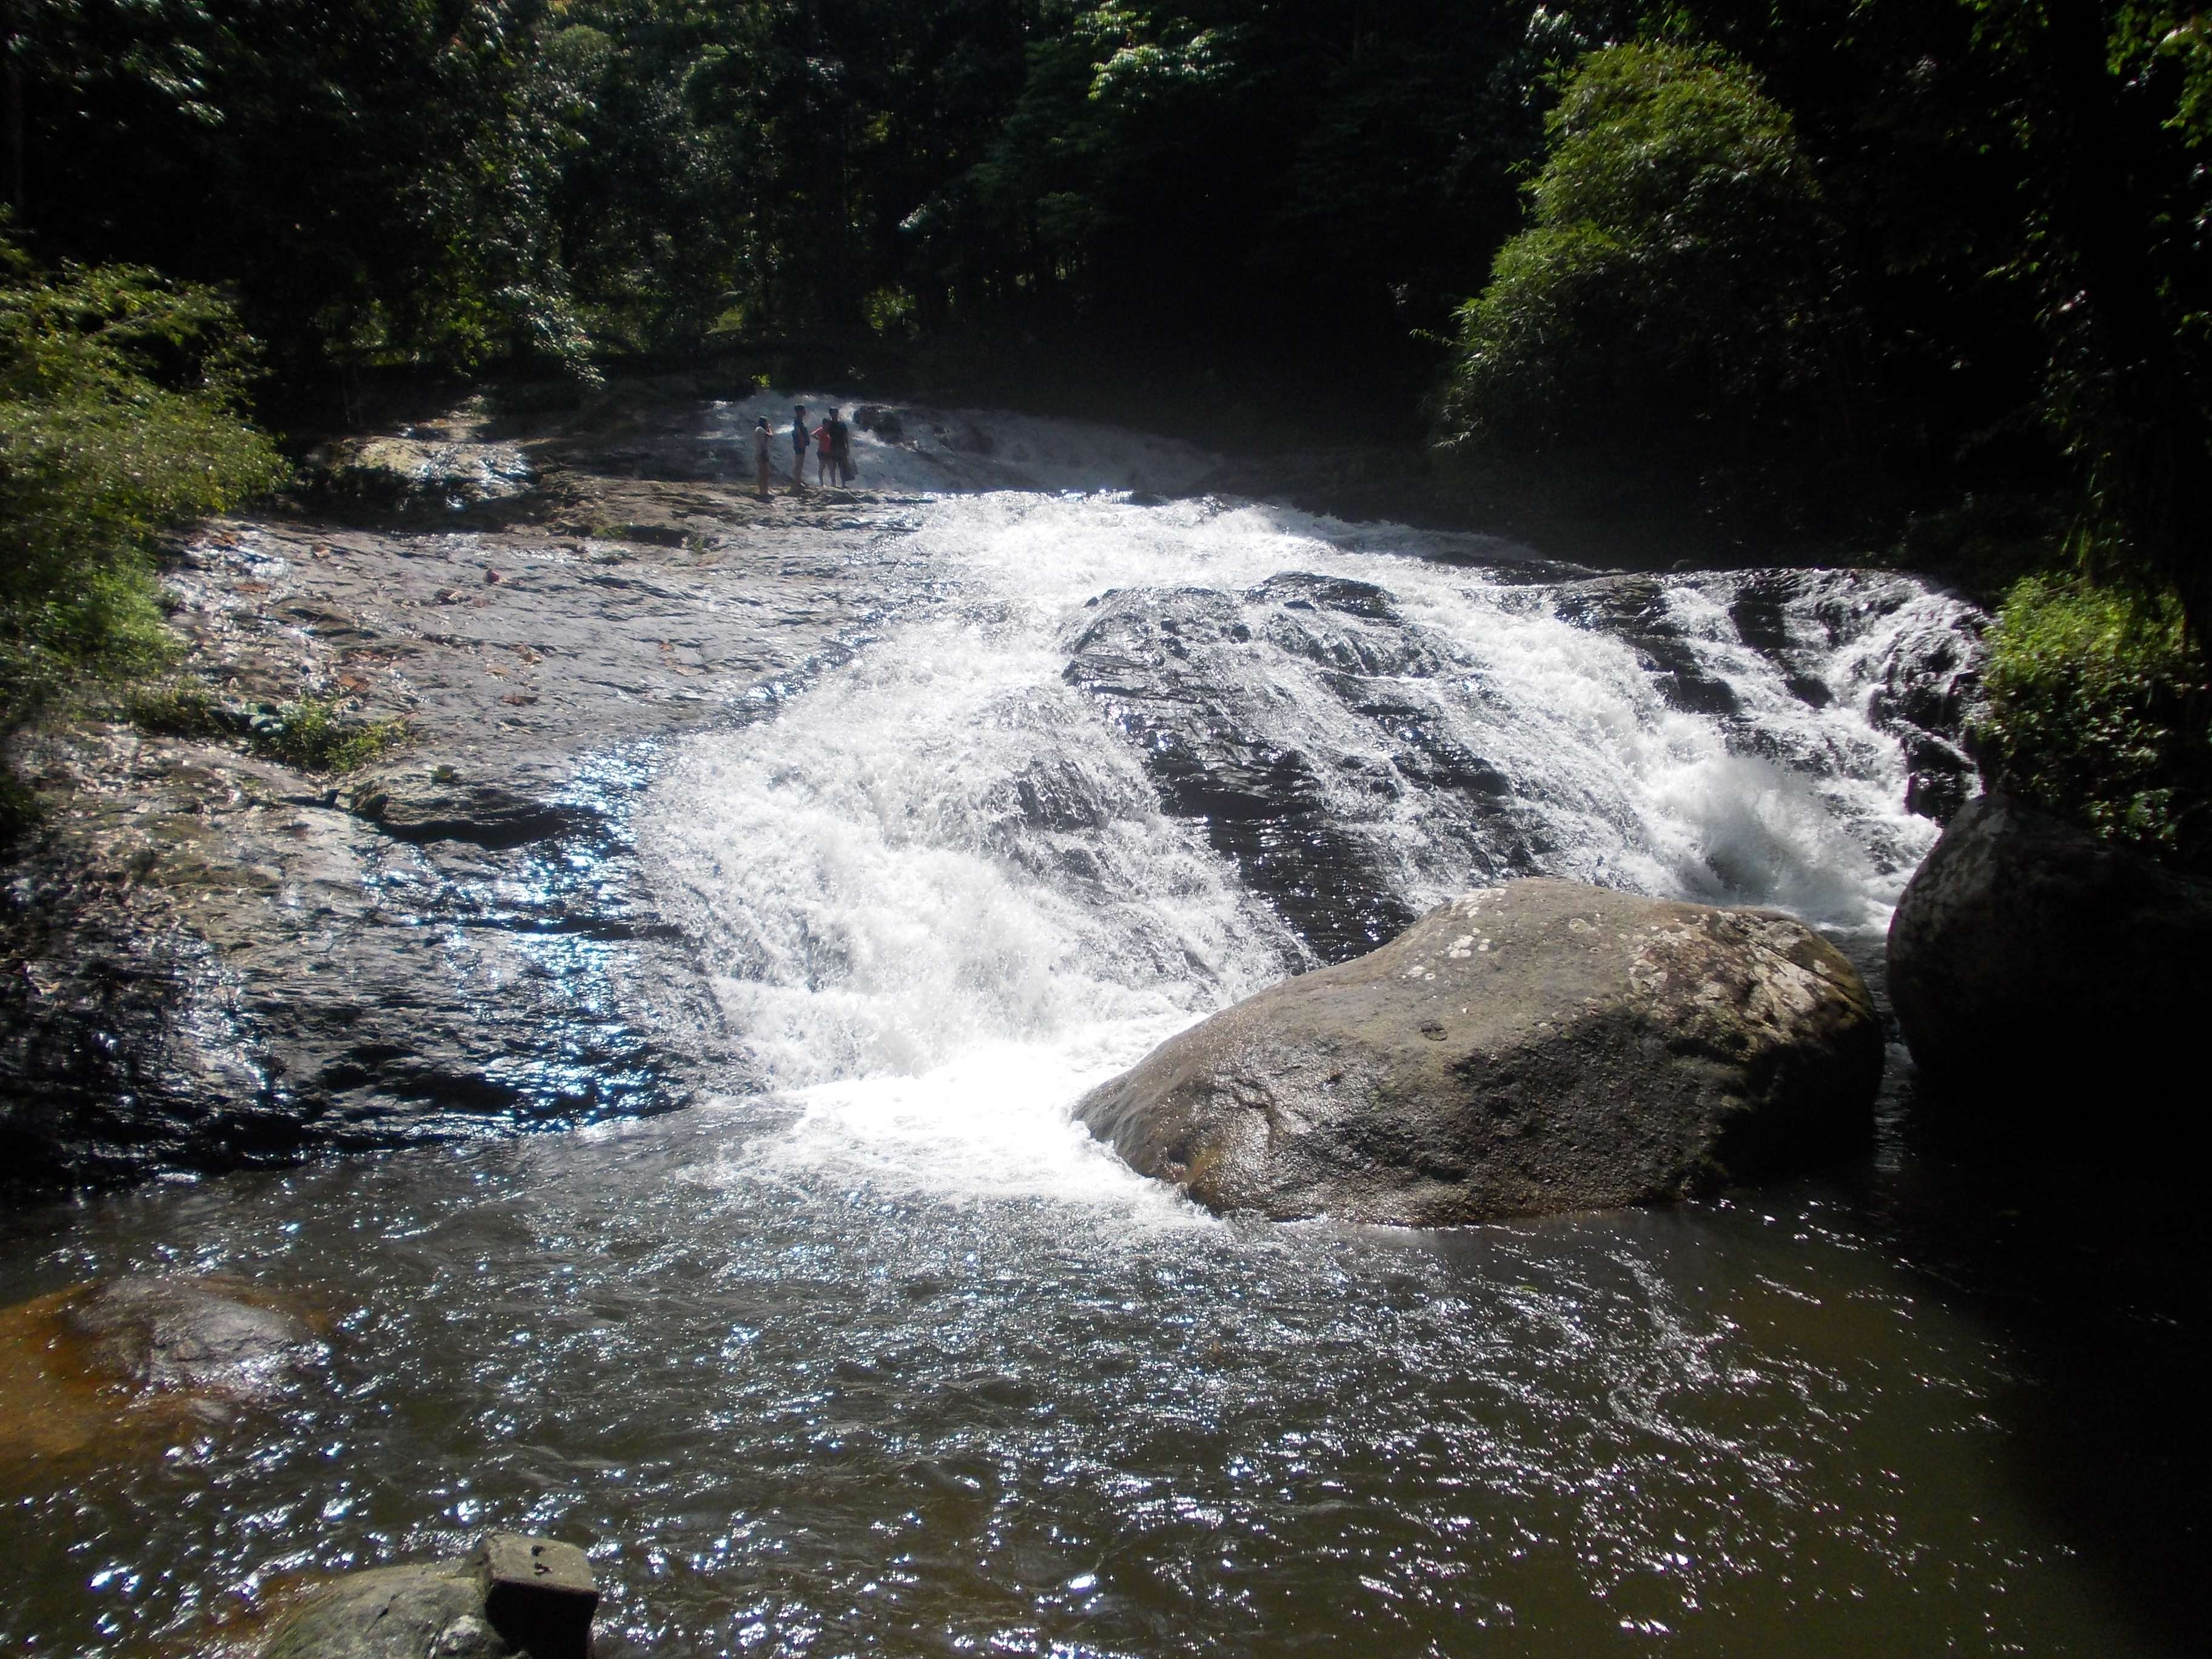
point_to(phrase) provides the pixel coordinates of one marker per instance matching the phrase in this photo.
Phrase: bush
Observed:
(119, 400)
(2096, 709)
(97, 452)
(315, 734)
(1678, 273)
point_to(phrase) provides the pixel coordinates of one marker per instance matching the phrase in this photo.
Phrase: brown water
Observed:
(790, 1414)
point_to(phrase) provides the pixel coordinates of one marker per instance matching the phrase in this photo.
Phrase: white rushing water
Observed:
(941, 895)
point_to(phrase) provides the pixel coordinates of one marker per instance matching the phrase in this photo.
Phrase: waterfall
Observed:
(1129, 763)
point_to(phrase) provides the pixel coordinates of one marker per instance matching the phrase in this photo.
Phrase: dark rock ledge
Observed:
(2038, 970)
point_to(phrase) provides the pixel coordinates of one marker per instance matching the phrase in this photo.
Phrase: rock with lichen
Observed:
(1538, 1047)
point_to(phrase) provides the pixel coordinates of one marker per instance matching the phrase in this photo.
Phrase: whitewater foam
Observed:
(939, 895)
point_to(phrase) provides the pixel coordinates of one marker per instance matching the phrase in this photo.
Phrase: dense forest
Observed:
(1924, 281)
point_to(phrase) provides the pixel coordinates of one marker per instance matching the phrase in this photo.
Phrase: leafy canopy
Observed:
(1678, 263)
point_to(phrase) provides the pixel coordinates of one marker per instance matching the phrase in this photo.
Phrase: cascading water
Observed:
(1132, 763)
(878, 1354)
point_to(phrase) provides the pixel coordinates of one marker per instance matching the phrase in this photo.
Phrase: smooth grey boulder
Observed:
(2029, 958)
(513, 1596)
(1537, 1047)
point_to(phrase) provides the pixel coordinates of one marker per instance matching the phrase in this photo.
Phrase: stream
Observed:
(872, 1351)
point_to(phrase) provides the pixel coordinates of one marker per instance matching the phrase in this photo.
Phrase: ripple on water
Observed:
(792, 1410)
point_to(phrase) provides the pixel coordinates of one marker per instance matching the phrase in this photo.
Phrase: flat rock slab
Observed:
(1538, 1047)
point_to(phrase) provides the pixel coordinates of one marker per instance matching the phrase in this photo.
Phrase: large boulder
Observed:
(1537, 1047)
(514, 1595)
(2029, 957)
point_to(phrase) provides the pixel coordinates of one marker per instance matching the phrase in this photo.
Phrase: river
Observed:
(872, 1351)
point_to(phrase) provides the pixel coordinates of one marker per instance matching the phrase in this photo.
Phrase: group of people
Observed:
(831, 443)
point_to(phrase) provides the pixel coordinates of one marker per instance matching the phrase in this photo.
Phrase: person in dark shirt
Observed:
(841, 449)
(799, 449)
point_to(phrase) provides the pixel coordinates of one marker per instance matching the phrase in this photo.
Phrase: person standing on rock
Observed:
(823, 438)
(763, 443)
(799, 449)
(841, 449)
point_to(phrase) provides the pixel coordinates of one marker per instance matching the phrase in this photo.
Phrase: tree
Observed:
(1680, 278)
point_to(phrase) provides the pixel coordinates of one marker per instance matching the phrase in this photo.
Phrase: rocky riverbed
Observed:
(213, 958)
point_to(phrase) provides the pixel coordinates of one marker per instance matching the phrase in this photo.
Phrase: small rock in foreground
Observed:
(1534, 1047)
(514, 1595)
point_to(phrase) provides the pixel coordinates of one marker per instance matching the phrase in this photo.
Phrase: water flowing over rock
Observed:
(995, 762)
(1538, 1047)
(2029, 959)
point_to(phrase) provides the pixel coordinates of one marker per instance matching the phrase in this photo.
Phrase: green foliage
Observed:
(317, 735)
(2097, 710)
(118, 393)
(2108, 102)
(1679, 267)
(314, 734)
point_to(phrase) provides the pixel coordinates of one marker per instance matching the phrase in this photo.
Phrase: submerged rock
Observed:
(2029, 959)
(101, 1365)
(212, 1336)
(513, 1596)
(1538, 1047)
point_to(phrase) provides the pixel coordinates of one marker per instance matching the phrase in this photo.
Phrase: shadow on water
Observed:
(2091, 1263)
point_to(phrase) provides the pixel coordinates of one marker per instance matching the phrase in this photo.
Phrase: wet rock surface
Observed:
(1176, 672)
(2030, 960)
(514, 1595)
(1533, 1047)
(210, 958)
(1923, 676)
(1415, 768)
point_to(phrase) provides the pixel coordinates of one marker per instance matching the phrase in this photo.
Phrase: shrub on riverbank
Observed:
(2097, 710)
(313, 734)
(119, 394)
